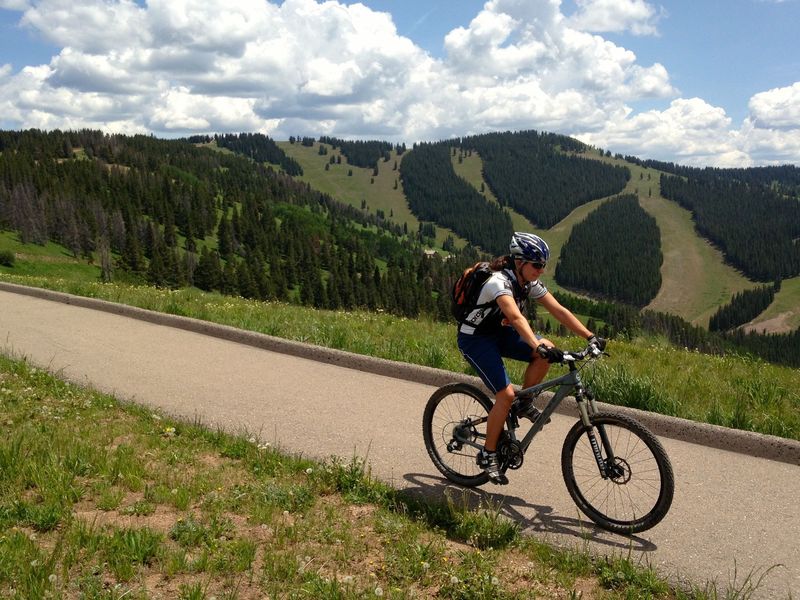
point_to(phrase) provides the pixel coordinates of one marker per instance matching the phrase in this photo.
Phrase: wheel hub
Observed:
(462, 432)
(619, 472)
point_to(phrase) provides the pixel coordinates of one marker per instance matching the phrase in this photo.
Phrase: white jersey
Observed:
(500, 283)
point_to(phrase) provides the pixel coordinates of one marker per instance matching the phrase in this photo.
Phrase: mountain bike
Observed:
(615, 469)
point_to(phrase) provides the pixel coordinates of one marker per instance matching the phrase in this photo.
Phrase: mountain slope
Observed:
(361, 189)
(696, 279)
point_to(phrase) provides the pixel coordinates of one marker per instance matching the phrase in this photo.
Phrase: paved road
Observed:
(732, 513)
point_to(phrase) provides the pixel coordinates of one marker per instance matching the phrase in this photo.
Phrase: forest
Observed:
(786, 178)
(624, 320)
(628, 321)
(615, 252)
(172, 213)
(364, 154)
(743, 307)
(532, 173)
(435, 193)
(168, 213)
(258, 147)
(765, 248)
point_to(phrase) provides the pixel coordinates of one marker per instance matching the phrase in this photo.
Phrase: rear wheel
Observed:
(635, 489)
(456, 415)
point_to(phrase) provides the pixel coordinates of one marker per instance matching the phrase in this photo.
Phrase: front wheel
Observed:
(454, 427)
(633, 490)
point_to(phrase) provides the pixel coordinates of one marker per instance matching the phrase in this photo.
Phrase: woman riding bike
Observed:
(497, 329)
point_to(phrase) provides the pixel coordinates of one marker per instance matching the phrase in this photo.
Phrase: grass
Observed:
(696, 280)
(198, 513)
(361, 189)
(783, 312)
(50, 260)
(470, 168)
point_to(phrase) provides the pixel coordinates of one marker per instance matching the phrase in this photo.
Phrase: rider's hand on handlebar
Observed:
(551, 354)
(598, 342)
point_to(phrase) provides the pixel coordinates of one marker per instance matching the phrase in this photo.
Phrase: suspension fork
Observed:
(587, 406)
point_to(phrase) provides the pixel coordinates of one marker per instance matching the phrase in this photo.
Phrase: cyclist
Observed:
(499, 329)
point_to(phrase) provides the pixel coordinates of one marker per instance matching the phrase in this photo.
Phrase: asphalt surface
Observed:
(734, 514)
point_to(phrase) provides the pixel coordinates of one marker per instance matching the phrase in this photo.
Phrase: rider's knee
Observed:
(505, 396)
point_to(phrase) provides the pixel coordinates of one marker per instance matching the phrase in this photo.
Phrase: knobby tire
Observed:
(448, 408)
(635, 500)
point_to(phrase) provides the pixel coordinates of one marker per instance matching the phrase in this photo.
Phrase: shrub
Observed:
(6, 258)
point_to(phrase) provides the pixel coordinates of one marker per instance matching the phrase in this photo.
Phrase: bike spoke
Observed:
(631, 493)
(451, 413)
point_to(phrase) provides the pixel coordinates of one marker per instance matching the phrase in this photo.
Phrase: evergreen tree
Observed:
(208, 274)
(247, 287)
(158, 265)
(132, 259)
(229, 283)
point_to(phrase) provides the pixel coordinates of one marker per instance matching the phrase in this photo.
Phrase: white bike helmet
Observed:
(529, 247)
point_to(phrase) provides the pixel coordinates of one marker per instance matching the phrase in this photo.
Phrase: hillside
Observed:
(172, 214)
(359, 186)
(696, 280)
(337, 235)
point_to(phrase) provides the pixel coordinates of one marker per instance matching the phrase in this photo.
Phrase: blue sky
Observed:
(701, 83)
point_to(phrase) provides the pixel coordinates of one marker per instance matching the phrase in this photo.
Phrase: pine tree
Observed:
(208, 274)
(131, 258)
(106, 264)
(229, 283)
(157, 268)
(246, 284)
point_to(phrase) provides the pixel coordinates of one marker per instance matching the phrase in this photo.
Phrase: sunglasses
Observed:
(536, 265)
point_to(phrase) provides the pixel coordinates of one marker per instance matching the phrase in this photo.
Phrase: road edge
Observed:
(733, 440)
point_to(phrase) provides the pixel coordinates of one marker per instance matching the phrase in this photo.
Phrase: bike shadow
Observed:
(532, 518)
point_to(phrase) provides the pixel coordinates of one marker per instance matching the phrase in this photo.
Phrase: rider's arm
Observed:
(564, 316)
(517, 320)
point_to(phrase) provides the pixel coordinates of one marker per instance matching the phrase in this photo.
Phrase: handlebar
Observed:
(569, 356)
(591, 351)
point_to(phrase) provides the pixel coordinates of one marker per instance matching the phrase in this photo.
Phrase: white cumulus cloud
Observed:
(312, 67)
(636, 16)
(693, 131)
(778, 108)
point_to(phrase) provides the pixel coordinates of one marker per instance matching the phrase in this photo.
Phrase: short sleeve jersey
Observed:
(501, 283)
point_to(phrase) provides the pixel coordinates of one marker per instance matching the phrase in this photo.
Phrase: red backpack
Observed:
(466, 289)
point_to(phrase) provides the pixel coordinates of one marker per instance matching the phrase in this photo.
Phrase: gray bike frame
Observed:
(566, 383)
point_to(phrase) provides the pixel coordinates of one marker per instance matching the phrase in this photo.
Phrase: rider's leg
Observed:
(497, 417)
(537, 368)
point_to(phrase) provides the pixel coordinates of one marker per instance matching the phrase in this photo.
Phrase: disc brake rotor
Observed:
(620, 472)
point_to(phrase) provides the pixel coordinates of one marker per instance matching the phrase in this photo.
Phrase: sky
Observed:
(695, 82)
